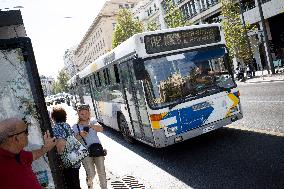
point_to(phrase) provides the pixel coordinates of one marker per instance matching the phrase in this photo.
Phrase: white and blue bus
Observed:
(163, 87)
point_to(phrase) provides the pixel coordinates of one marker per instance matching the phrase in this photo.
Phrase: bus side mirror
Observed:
(139, 69)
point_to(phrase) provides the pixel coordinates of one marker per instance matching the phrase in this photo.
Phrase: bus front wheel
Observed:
(124, 129)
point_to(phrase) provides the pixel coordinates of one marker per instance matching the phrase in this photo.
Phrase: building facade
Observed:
(46, 83)
(98, 39)
(69, 62)
(198, 11)
(273, 13)
(149, 12)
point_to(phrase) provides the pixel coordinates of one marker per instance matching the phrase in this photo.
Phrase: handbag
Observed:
(74, 152)
(95, 149)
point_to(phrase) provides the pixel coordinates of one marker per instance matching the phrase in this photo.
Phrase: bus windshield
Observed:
(185, 76)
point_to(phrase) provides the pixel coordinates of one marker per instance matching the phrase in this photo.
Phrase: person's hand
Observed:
(97, 127)
(49, 142)
(83, 133)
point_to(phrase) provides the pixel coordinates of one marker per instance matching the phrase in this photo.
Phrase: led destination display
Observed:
(181, 39)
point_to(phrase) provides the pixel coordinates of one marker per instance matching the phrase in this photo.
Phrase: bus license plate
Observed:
(208, 129)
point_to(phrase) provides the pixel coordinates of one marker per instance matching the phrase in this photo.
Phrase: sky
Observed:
(50, 31)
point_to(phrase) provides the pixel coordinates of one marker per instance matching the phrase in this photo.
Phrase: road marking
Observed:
(259, 82)
(265, 101)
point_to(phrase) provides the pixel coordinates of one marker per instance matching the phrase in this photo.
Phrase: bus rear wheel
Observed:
(124, 129)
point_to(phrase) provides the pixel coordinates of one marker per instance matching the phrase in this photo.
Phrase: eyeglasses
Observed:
(83, 107)
(26, 131)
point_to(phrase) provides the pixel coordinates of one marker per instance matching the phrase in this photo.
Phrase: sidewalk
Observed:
(263, 76)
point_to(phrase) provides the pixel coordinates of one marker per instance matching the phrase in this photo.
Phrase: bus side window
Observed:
(116, 74)
(95, 80)
(106, 76)
(104, 73)
(99, 79)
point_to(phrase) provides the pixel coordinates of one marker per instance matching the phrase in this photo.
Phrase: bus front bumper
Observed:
(194, 132)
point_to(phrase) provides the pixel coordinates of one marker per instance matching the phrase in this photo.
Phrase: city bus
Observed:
(163, 87)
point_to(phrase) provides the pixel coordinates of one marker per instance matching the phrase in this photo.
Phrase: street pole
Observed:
(267, 48)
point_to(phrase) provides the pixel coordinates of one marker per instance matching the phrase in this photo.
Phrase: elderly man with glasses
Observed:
(15, 163)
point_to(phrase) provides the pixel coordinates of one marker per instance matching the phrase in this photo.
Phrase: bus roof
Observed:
(72, 80)
(135, 45)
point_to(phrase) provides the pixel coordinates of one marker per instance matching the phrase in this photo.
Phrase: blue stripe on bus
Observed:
(188, 119)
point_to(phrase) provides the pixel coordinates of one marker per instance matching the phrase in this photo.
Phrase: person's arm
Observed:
(60, 145)
(78, 135)
(49, 143)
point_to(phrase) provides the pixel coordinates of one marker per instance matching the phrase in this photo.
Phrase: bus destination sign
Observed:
(181, 39)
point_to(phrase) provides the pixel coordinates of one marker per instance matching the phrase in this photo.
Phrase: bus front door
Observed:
(135, 100)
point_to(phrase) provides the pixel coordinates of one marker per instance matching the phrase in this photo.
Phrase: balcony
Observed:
(270, 9)
(250, 4)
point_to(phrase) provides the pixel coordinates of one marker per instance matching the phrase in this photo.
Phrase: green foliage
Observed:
(174, 17)
(125, 27)
(60, 85)
(55, 88)
(234, 31)
(152, 26)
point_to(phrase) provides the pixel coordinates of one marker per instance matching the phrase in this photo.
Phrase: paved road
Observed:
(263, 106)
(226, 158)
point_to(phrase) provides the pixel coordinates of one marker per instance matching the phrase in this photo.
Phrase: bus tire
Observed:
(123, 126)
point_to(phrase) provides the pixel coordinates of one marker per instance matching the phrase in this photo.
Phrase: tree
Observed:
(234, 31)
(152, 26)
(60, 85)
(125, 27)
(174, 16)
(55, 88)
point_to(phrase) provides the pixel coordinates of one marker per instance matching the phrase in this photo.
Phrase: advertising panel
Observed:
(21, 96)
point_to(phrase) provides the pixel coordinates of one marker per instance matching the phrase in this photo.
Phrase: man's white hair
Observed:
(7, 128)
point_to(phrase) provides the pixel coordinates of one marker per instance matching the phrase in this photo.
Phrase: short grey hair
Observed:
(7, 128)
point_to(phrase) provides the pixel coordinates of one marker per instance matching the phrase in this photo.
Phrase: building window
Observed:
(113, 25)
